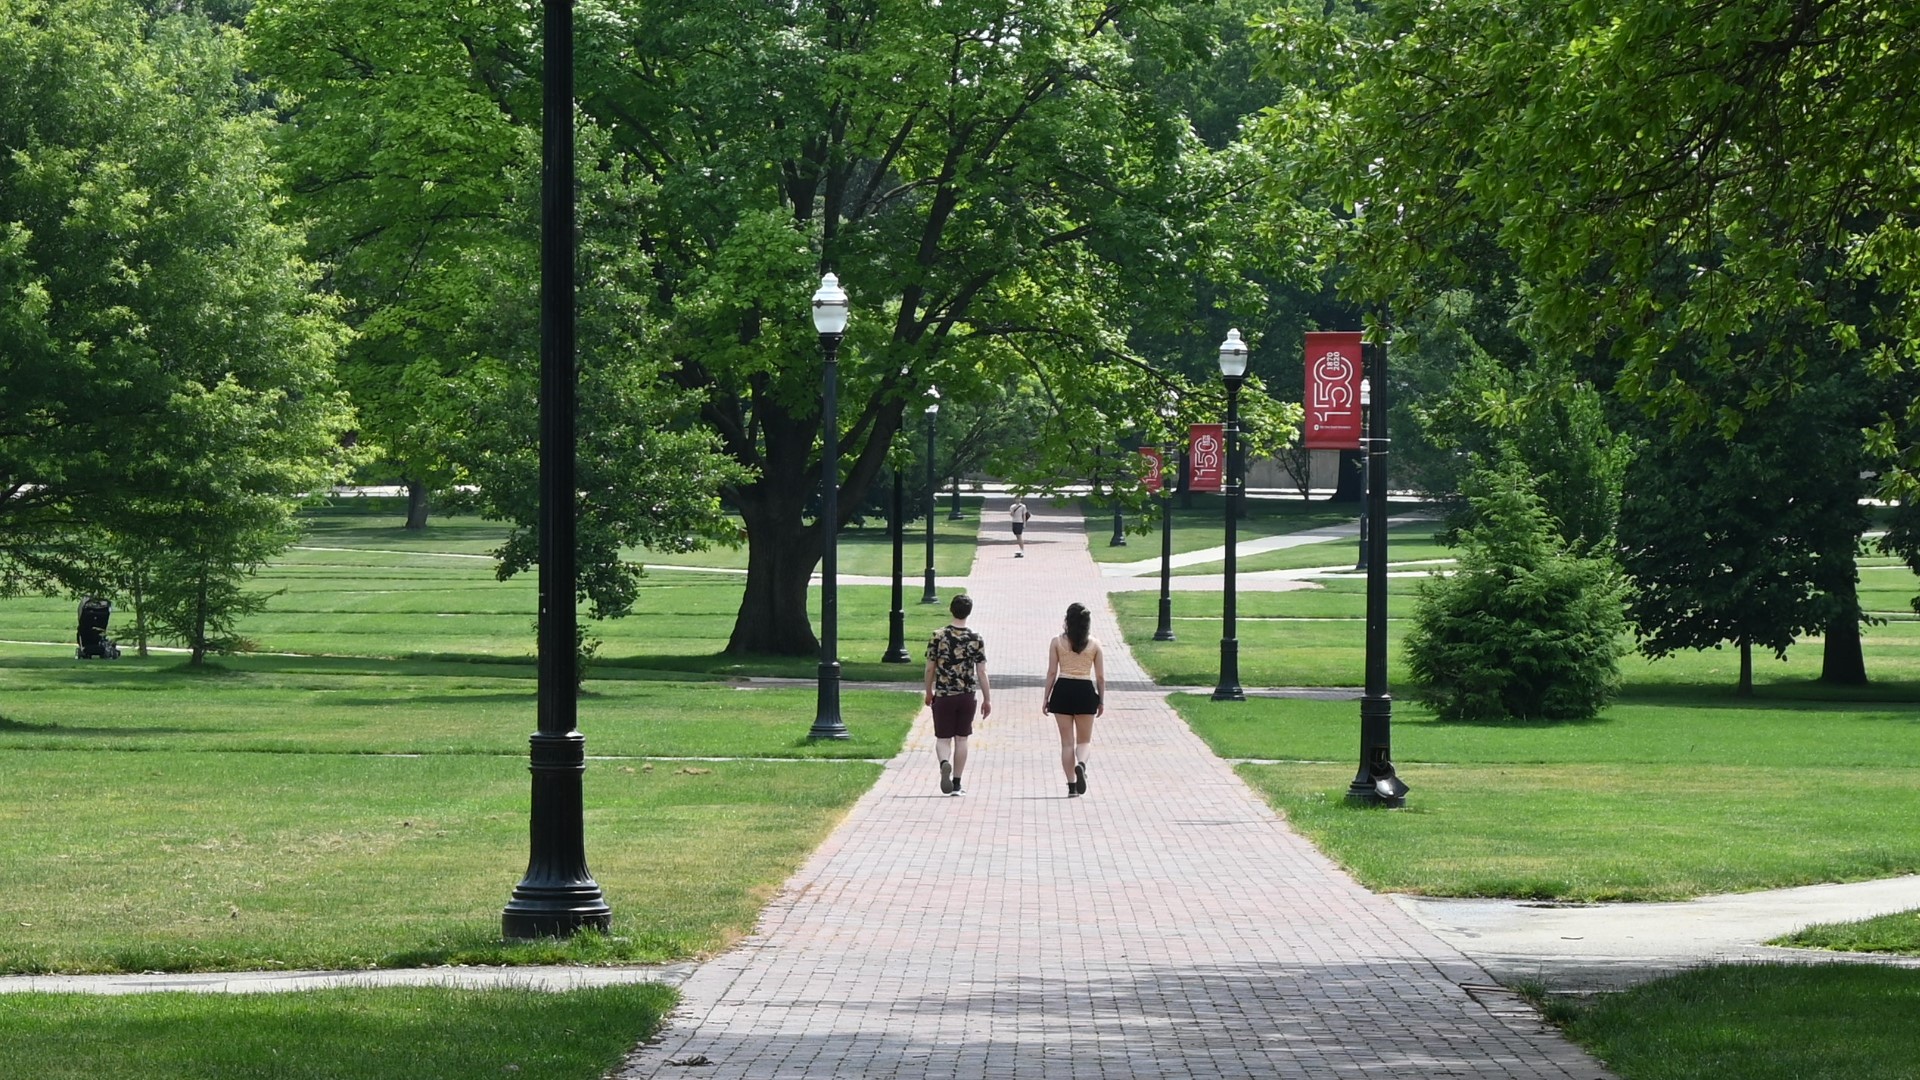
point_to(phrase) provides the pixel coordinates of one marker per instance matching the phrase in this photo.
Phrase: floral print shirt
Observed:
(954, 651)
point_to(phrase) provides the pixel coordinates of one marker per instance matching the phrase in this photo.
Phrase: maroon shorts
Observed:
(953, 716)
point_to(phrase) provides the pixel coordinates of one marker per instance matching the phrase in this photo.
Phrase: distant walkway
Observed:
(1167, 924)
(1324, 534)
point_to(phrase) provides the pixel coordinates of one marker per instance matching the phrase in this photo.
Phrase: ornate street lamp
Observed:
(1233, 371)
(933, 415)
(557, 896)
(1376, 782)
(897, 616)
(830, 320)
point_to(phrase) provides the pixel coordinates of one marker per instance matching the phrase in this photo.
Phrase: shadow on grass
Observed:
(1805, 693)
(19, 727)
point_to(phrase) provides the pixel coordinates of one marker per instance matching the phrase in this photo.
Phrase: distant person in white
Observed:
(1020, 515)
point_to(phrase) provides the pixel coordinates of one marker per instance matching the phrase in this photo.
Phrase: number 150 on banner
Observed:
(1333, 391)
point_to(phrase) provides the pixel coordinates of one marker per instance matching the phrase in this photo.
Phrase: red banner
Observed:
(1156, 468)
(1206, 457)
(1333, 391)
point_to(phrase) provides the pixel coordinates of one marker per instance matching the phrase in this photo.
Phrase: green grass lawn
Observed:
(1662, 797)
(1756, 1022)
(368, 806)
(360, 585)
(1317, 637)
(1898, 933)
(407, 1033)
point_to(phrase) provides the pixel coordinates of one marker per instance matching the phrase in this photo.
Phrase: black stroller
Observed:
(94, 642)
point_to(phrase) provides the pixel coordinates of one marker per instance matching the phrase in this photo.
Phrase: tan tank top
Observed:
(1076, 665)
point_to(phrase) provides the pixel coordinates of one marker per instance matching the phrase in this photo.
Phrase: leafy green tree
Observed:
(165, 363)
(1751, 539)
(1664, 179)
(412, 144)
(1524, 627)
(1547, 421)
(1003, 190)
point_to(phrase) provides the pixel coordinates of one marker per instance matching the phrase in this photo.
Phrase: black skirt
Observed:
(1073, 697)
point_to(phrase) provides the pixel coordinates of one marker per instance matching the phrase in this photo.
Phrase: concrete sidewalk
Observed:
(1167, 924)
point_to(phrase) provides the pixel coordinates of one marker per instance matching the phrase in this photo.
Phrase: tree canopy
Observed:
(162, 348)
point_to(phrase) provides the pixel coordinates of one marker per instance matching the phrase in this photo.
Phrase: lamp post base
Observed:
(897, 636)
(1229, 688)
(826, 721)
(1376, 783)
(538, 911)
(931, 596)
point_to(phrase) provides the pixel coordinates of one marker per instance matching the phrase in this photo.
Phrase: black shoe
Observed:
(956, 787)
(947, 784)
(1073, 790)
(1080, 778)
(1019, 554)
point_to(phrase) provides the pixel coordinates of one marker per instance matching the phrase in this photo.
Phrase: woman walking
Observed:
(1075, 693)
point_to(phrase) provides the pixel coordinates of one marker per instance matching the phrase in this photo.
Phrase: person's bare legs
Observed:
(959, 758)
(1066, 725)
(1082, 737)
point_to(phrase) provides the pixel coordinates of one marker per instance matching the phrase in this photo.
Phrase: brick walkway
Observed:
(1167, 924)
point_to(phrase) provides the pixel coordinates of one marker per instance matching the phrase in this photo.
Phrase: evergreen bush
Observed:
(1524, 628)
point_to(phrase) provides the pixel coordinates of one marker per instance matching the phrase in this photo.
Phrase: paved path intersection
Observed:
(1167, 924)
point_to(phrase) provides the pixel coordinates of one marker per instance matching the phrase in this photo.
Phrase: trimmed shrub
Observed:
(1523, 628)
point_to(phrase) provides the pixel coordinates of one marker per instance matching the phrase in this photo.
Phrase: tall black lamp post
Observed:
(1376, 782)
(830, 320)
(557, 896)
(933, 416)
(897, 617)
(1233, 371)
(1164, 632)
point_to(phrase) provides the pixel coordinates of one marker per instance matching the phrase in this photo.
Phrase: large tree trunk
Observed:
(1842, 662)
(1346, 484)
(782, 552)
(416, 505)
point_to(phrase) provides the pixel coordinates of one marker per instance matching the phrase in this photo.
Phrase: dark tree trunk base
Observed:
(1347, 483)
(1843, 663)
(416, 505)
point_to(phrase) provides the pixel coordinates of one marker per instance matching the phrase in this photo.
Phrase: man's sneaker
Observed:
(1080, 778)
(1073, 789)
(957, 790)
(1019, 554)
(947, 785)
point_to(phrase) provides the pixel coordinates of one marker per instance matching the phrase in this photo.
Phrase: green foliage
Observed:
(1005, 194)
(1523, 628)
(1748, 538)
(413, 143)
(1664, 181)
(166, 371)
(1545, 421)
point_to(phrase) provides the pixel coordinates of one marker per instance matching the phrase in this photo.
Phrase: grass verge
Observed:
(162, 861)
(1756, 1022)
(1898, 934)
(402, 1033)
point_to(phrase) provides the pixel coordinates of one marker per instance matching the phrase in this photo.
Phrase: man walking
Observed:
(1020, 515)
(956, 664)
